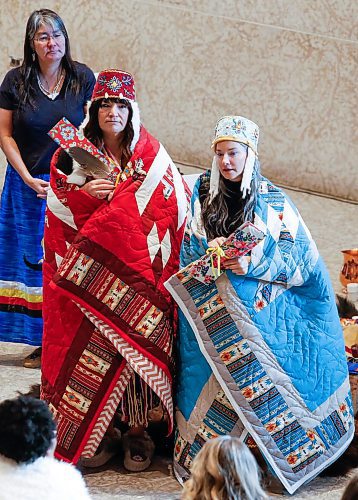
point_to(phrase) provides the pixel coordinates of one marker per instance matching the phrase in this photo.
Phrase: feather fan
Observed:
(91, 165)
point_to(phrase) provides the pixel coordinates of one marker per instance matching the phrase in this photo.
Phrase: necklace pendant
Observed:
(52, 95)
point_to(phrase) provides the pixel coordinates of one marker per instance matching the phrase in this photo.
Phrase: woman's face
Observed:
(231, 158)
(49, 44)
(112, 117)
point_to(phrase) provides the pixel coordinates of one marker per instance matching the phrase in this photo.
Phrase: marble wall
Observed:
(289, 66)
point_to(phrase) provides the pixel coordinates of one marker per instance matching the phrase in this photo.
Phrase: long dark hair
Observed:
(93, 132)
(30, 68)
(215, 215)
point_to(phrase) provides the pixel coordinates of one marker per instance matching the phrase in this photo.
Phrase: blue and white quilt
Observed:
(262, 355)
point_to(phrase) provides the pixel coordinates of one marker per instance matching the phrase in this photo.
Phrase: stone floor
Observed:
(331, 223)
(112, 482)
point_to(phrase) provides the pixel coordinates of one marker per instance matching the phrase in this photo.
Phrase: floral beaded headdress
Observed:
(244, 131)
(114, 84)
(117, 84)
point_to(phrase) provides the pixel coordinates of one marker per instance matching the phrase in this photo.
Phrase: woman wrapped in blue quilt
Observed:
(261, 352)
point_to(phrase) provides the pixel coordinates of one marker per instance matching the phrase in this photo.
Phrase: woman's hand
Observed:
(216, 242)
(98, 188)
(238, 265)
(40, 186)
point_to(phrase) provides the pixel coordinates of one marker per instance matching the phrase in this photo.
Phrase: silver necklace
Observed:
(52, 95)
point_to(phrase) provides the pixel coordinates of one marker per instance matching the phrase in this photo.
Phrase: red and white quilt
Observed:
(106, 311)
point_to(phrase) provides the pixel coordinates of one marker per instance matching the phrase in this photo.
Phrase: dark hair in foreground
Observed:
(30, 68)
(93, 132)
(224, 469)
(351, 491)
(215, 214)
(27, 429)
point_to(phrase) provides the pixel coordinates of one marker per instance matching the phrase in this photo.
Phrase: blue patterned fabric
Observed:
(21, 231)
(268, 345)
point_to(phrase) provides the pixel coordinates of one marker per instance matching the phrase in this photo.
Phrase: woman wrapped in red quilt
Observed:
(110, 244)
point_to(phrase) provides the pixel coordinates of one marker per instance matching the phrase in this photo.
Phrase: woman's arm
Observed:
(11, 150)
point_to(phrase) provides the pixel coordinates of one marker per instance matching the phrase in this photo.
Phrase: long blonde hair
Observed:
(224, 469)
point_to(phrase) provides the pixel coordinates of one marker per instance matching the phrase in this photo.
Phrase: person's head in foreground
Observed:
(27, 429)
(224, 469)
(351, 491)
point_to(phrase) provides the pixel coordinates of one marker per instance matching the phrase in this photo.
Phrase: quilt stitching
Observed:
(153, 375)
(134, 309)
(107, 413)
(299, 446)
(218, 421)
(83, 384)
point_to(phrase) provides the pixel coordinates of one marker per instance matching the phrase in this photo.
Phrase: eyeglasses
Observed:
(45, 38)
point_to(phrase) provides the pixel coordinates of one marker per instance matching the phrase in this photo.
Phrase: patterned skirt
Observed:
(21, 231)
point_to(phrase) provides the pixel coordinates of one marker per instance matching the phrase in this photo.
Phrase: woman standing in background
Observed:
(33, 98)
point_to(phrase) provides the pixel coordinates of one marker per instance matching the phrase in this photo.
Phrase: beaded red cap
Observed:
(114, 84)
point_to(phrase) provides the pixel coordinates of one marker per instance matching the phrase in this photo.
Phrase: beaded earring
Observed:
(33, 56)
